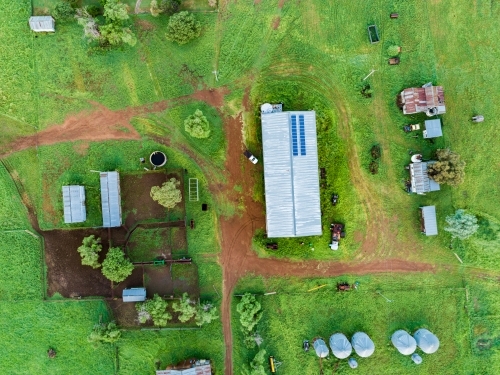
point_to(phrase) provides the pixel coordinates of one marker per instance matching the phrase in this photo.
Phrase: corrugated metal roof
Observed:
(430, 220)
(42, 24)
(433, 128)
(420, 181)
(134, 295)
(197, 370)
(111, 200)
(291, 174)
(74, 204)
(420, 99)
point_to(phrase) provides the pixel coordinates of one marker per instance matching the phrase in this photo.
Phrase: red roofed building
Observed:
(428, 99)
(188, 367)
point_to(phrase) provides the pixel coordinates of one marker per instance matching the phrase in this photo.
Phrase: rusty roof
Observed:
(420, 99)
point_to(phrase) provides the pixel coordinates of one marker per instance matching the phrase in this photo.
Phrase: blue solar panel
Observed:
(302, 135)
(295, 147)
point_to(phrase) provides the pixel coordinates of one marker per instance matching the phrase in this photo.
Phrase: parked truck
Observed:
(337, 231)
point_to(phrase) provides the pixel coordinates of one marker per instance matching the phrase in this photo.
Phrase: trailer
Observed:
(373, 34)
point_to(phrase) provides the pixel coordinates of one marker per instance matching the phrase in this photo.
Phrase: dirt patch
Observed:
(81, 148)
(65, 273)
(281, 3)
(214, 97)
(124, 313)
(276, 22)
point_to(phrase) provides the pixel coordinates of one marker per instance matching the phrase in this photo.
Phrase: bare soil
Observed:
(276, 23)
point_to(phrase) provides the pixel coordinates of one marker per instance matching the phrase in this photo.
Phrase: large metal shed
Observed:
(433, 129)
(74, 204)
(134, 295)
(111, 199)
(42, 24)
(421, 183)
(429, 220)
(291, 174)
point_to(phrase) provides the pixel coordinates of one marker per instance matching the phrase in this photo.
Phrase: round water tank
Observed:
(266, 108)
(158, 159)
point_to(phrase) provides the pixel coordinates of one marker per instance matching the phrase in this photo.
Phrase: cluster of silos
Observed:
(407, 344)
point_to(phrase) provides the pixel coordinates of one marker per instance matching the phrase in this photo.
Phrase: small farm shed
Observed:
(74, 204)
(433, 129)
(189, 367)
(428, 99)
(421, 183)
(111, 199)
(291, 176)
(134, 295)
(428, 220)
(42, 24)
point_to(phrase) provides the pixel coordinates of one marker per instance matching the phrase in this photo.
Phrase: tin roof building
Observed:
(291, 173)
(433, 129)
(189, 367)
(134, 295)
(421, 183)
(74, 204)
(42, 24)
(428, 99)
(111, 199)
(428, 220)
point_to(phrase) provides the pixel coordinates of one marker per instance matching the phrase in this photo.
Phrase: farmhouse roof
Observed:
(403, 342)
(420, 181)
(362, 344)
(429, 220)
(433, 129)
(340, 345)
(195, 367)
(291, 174)
(426, 341)
(74, 204)
(110, 199)
(42, 24)
(320, 348)
(134, 295)
(423, 99)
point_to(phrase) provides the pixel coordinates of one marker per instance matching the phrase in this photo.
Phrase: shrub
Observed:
(375, 152)
(154, 9)
(104, 333)
(461, 225)
(63, 11)
(256, 366)
(205, 314)
(94, 10)
(185, 307)
(393, 50)
(169, 6)
(168, 195)
(116, 267)
(183, 27)
(197, 125)
(373, 167)
(155, 309)
(89, 251)
(250, 312)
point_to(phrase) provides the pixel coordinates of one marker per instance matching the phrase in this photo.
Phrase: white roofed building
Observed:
(74, 204)
(42, 24)
(111, 199)
(291, 178)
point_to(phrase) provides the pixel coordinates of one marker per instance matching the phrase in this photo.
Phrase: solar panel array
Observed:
(302, 136)
(295, 146)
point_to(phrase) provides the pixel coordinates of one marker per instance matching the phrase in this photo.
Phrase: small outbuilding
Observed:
(74, 204)
(111, 199)
(421, 183)
(188, 367)
(134, 295)
(403, 342)
(428, 220)
(433, 129)
(427, 99)
(426, 340)
(42, 24)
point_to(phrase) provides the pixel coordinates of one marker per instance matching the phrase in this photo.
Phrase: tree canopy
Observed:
(461, 225)
(116, 267)
(448, 169)
(89, 251)
(104, 333)
(168, 195)
(250, 312)
(205, 313)
(155, 309)
(197, 125)
(183, 27)
(256, 366)
(185, 307)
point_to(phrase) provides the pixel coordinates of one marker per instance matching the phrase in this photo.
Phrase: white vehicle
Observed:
(250, 157)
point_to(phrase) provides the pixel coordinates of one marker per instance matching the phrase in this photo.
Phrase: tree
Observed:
(197, 125)
(63, 11)
(183, 27)
(89, 251)
(115, 11)
(393, 50)
(185, 307)
(448, 169)
(168, 195)
(155, 309)
(90, 26)
(115, 34)
(461, 224)
(205, 313)
(104, 333)
(256, 366)
(154, 8)
(250, 312)
(116, 267)
(169, 6)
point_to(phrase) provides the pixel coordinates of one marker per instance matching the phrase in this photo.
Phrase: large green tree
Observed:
(168, 195)
(205, 313)
(116, 267)
(197, 125)
(154, 309)
(185, 307)
(461, 225)
(89, 251)
(183, 27)
(250, 311)
(448, 169)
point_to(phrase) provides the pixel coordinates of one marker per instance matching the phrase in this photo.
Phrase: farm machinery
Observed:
(337, 231)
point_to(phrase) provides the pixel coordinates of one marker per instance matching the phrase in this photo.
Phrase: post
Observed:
(373, 71)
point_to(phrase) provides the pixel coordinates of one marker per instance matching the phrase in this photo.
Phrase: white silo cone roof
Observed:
(341, 347)
(320, 348)
(362, 344)
(403, 342)
(426, 341)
